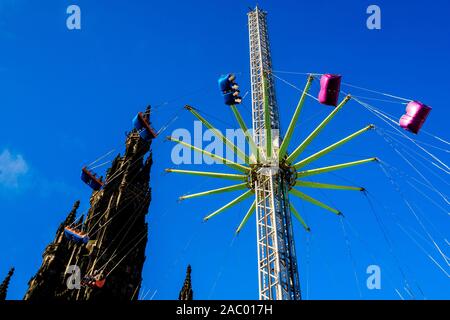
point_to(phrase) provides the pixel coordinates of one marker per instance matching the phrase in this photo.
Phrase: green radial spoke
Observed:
(305, 197)
(241, 186)
(228, 176)
(230, 204)
(313, 172)
(244, 128)
(267, 120)
(328, 149)
(226, 162)
(317, 130)
(246, 217)
(317, 185)
(299, 217)
(293, 123)
(241, 155)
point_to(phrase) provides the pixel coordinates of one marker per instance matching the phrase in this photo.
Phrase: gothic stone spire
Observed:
(69, 219)
(186, 292)
(117, 234)
(4, 285)
(49, 278)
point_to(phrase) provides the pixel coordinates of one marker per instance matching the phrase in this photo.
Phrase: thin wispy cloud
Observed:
(13, 168)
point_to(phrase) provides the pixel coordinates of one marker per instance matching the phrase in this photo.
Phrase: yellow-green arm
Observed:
(299, 218)
(312, 172)
(226, 162)
(227, 176)
(292, 124)
(230, 204)
(246, 217)
(317, 130)
(334, 146)
(240, 186)
(317, 185)
(316, 202)
(241, 155)
(244, 128)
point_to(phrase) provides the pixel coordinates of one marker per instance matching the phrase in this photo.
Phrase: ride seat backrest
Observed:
(417, 110)
(330, 86)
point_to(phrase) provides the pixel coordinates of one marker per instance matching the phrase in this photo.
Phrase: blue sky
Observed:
(67, 97)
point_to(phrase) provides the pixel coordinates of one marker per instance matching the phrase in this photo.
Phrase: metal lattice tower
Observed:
(269, 172)
(277, 262)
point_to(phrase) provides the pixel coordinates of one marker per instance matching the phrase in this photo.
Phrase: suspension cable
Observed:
(102, 157)
(371, 253)
(137, 243)
(388, 241)
(367, 106)
(391, 139)
(397, 188)
(352, 259)
(219, 274)
(378, 92)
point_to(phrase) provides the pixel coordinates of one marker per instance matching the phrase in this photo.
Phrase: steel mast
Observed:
(270, 172)
(277, 262)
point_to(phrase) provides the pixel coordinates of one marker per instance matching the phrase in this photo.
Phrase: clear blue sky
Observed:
(67, 97)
